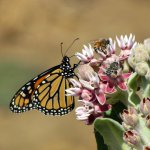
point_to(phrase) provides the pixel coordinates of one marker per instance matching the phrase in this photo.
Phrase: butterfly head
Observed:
(66, 59)
(67, 70)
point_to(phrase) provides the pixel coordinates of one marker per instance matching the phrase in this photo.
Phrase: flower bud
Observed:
(84, 71)
(147, 44)
(148, 120)
(83, 112)
(141, 53)
(131, 137)
(145, 106)
(86, 95)
(146, 148)
(131, 61)
(147, 76)
(142, 68)
(130, 116)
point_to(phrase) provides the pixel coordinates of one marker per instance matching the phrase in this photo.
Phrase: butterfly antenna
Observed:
(71, 56)
(71, 45)
(61, 47)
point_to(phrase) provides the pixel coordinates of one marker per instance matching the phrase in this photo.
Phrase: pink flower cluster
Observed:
(100, 73)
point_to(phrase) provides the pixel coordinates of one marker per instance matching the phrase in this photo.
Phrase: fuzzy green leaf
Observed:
(145, 87)
(100, 141)
(133, 98)
(112, 133)
(144, 131)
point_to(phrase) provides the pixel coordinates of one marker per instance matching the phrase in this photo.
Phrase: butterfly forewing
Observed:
(23, 99)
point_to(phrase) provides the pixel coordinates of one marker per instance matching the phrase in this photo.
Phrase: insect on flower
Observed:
(112, 71)
(46, 92)
(101, 45)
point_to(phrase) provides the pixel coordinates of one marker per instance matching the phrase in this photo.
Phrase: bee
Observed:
(113, 69)
(111, 73)
(101, 45)
(115, 66)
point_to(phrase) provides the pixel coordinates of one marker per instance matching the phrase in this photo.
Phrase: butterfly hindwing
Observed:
(50, 97)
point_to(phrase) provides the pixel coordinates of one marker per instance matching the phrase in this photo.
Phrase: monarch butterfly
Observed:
(46, 92)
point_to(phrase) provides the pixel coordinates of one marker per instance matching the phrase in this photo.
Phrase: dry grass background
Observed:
(30, 34)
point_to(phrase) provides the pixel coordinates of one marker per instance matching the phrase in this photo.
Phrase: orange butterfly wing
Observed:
(50, 98)
(46, 93)
(22, 100)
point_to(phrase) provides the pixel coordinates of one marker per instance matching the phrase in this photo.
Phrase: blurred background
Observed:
(30, 36)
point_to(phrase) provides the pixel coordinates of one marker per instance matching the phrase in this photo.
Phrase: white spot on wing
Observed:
(29, 87)
(47, 76)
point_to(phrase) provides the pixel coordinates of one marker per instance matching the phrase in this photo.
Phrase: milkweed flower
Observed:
(108, 51)
(95, 87)
(91, 92)
(112, 75)
(148, 121)
(84, 71)
(126, 44)
(145, 106)
(146, 147)
(112, 46)
(89, 89)
(131, 137)
(87, 112)
(76, 90)
(97, 78)
(87, 55)
(103, 79)
(137, 124)
(130, 116)
(90, 111)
